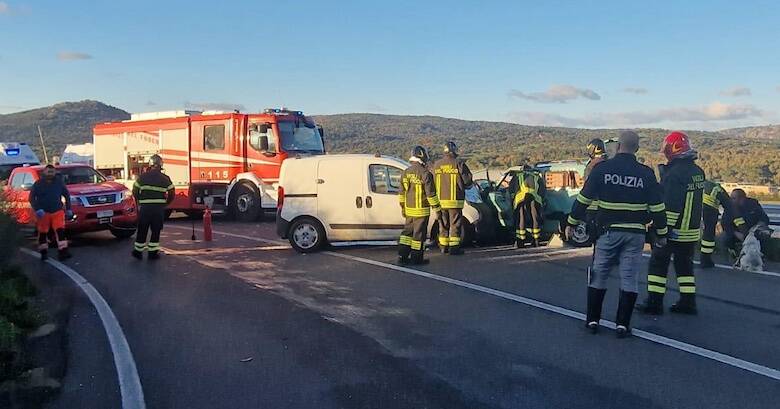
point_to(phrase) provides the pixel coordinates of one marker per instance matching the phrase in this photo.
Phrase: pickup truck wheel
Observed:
(245, 204)
(306, 235)
(122, 233)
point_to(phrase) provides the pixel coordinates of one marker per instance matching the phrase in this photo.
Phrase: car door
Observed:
(384, 220)
(19, 195)
(340, 198)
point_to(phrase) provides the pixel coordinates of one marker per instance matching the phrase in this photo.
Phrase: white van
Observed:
(343, 198)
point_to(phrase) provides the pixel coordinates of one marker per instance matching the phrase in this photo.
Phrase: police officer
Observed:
(153, 191)
(628, 195)
(713, 199)
(597, 153)
(452, 178)
(683, 186)
(528, 202)
(417, 196)
(46, 198)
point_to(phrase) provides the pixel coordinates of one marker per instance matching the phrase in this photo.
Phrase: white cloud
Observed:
(736, 92)
(213, 106)
(715, 111)
(73, 56)
(4, 8)
(557, 94)
(635, 90)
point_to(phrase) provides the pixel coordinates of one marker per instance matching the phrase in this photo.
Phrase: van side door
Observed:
(384, 220)
(340, 198)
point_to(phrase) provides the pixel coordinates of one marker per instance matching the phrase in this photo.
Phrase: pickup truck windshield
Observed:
(80, 175)
(297, 137)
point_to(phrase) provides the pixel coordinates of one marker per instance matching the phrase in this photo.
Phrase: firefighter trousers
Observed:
(52, 222)
(412, 241)
(529, 219)
(150, 217)
(683, 268)
(450, 224)
(709, 222)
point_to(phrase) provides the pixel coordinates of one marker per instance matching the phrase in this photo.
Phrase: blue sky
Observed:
(692, 64)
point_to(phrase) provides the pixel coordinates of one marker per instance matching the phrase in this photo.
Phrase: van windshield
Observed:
(299, 137)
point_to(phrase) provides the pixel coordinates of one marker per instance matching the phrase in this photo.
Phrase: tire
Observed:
(307, 235)
(581, 237)
(245, 204)
(122, 234)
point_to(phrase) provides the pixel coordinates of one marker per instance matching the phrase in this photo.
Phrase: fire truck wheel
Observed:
(306, 235)
(245, 204)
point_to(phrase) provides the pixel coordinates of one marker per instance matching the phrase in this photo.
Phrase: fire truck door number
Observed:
(214, 174)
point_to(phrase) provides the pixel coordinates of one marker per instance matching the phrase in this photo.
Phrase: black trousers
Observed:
(412, 240)
(450, 225)
(683, 268)
(528, 214)
(150, 217)
(709, 221)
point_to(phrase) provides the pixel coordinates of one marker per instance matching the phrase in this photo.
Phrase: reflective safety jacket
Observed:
(452, 178)
(153, 187)
(683, 184)
(752, 212)
(531, 184)
(628, 196)
(715, 197)
(418, 192)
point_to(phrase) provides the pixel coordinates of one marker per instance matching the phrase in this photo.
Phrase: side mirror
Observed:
(26, 186)
(263, 143)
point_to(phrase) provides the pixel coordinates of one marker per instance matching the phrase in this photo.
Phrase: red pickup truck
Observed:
(97, 202)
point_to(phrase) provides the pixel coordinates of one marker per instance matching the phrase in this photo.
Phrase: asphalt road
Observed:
(245, 322)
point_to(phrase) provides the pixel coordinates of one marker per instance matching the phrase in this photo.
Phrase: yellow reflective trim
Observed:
(412, 212)
(707, 243)
(707, 250)
(433, 201)
(622, 206)
(171, 186)
(688, 290)
(453, 204)
(584, 200)
(139, 246)
(662, 232)
(739, 221)
(572, 220)
(686, 280)
(657, 208)
(444, 241)
(152, 201)
(686, 221)
(656, 279)
(416, 245)
(438, 184)
(453, 186)
(406, 240)
(454, 241)
(153, 188)
(656, 289)
(635, 226)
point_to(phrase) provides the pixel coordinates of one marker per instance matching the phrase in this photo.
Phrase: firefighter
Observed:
(714, 197)
(153, 191)
(749, 213)
(452, 177)
(628, 195)
(46, 199)
(417, 196)
(597, 153)
(528, 203)
(683, 186)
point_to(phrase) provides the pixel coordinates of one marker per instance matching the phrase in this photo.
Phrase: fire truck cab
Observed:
(229, 159)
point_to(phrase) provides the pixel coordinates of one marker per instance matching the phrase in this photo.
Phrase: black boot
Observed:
(625, 309)
(137, 254)
(686, 305)
(444, 249)
(64, 254)
(44, 255)
(535, 243)
(595, 301)
(705, 261)
(519, 243)
(417, 258)
(653, 305)
(456, 251)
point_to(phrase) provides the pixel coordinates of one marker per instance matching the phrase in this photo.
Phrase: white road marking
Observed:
(127, 373)
(727, 267)
(539, 254)
(649, 336)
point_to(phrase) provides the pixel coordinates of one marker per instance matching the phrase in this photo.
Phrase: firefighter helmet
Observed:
(156, 161)
(676, 146)
(596, 148)
(420, 153)
(451, 148)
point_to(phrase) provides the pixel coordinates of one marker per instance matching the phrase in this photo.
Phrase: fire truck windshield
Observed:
(298, 137)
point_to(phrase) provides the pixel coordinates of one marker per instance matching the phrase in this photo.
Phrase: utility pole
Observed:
(43, 145)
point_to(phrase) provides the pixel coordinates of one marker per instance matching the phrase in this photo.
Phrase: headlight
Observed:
(75, 201)
(126, 194)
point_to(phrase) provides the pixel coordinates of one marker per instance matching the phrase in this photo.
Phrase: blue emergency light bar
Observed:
(12, 151)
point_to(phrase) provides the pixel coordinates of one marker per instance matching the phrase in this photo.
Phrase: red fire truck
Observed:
(229, 159)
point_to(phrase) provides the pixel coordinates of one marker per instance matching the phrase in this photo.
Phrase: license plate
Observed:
(104, 213)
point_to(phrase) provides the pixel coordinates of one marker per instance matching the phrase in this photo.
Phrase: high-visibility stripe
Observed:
(154, 188)
(656, 279)
(686, 220)
(707, 250)
(452, 204)
(657, 208)
(139, 246)
(573, 221)
(453, 186)
(454, 241)
(405, 240)
(686, 279)
(152, 201)
(433, 201)
(438, 184)
(634, 207)
(688, 290)
(444, 241)
(656, 289)
(662, 232)
(412, 212)
(634, 226)
(417, 196)
(739, 221)
(416, 245)
(707, 243)
(584, 200)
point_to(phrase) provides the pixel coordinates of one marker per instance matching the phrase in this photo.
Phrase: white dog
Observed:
(750, 258)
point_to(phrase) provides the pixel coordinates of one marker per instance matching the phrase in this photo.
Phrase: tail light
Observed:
(280, 198)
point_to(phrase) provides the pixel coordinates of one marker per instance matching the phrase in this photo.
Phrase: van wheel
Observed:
(122, 233)
(245, 204)
(306, 235)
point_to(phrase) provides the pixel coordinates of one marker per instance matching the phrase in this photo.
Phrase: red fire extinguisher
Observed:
(207, 225)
